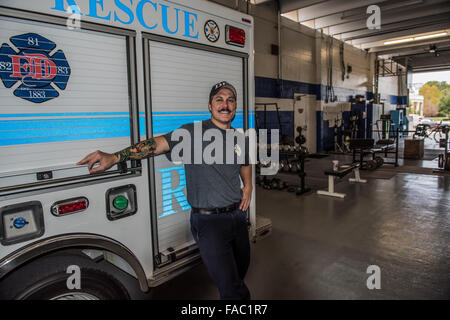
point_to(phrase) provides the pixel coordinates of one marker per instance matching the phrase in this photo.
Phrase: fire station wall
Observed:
(304, 68)
(345, 81)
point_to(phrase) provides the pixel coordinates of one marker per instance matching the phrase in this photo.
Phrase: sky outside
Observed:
(424, 77)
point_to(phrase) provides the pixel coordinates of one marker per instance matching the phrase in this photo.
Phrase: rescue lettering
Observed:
(169, 192)
(150, 14)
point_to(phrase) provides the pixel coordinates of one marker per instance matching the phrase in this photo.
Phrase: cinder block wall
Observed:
(302, 70)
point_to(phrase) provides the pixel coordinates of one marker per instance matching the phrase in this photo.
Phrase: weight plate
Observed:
(379, 161)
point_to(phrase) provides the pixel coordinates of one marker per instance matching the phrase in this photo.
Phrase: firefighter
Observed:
(218, 217)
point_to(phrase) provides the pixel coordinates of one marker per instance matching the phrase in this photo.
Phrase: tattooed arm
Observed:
(141, 150)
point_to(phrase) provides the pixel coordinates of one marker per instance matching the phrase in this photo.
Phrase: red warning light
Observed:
(69, 206)
(235, 36)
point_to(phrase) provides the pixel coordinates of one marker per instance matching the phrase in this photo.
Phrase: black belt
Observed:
(228, 209)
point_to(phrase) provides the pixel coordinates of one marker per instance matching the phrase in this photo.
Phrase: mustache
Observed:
(225, 109)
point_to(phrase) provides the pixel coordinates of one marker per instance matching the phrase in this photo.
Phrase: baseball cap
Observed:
(218, 86)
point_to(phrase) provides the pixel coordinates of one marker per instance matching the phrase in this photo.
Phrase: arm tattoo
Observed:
(138, 151)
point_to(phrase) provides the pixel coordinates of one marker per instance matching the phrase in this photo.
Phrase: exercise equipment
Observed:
(340, 173)
(444, 159)
(421, 131)
(294, 162)
(399, 121)
(384, 146)
(302, 154)
(379, 161)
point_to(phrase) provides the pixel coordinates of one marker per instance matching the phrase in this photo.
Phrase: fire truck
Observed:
(85, 75)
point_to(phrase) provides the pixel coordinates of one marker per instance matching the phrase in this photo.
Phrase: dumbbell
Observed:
(294, 166)
(283, 185)
(379, 161)
(289, 165)
(300, 140)
(286, 166)
(291, 189)
(370, 165)
(266, 185)
(274, 183)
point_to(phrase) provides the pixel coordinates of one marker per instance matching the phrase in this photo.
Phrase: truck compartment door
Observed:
(180, 78)
(64, 93)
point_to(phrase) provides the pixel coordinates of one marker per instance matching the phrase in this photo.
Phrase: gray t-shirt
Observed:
(210, 185)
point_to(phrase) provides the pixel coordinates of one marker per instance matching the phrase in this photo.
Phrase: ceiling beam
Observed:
(431, 69)
(407, 32)
(398, 26)
(394, 48)
(431, 63)
(331, 7)
(426, 54)
(290, 5)
(407, 52)
(443, 68)
(259, 1)
(356, 14)
(392, 18)
(411, 44)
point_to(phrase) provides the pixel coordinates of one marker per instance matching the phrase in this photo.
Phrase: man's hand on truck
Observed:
(106, 160)
(141, 150)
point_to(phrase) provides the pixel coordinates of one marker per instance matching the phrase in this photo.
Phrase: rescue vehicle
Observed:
(85, 75)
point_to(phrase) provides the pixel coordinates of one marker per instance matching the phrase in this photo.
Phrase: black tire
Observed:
(46, 279)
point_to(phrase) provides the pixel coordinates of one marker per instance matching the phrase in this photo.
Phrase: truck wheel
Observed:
(47, 278)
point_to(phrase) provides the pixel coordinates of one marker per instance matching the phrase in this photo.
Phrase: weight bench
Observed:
(342, 172)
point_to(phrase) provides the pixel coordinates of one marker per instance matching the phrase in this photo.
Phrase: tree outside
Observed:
(444, 103)
(431, 95)
(441, 85)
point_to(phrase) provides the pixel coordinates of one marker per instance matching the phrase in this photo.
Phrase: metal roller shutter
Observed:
(91, 110)
(179, 95)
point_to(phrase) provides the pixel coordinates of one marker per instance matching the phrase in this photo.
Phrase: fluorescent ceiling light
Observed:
(399, 41)
(431, 36)
(428, 36)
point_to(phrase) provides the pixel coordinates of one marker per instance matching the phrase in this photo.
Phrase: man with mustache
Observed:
(218, 217)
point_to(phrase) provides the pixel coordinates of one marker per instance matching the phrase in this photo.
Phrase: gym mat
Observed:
(419, 170)
(379, 173)
(318, 155)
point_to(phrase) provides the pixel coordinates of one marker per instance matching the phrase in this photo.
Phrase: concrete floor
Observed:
(321, 247)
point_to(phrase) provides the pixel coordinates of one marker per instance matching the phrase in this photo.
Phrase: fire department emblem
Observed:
(212, 32)
(30, 63)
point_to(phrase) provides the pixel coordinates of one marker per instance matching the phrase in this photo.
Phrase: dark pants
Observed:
(225, 250)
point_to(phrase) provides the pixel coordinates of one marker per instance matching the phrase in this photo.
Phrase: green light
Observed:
(120, 203)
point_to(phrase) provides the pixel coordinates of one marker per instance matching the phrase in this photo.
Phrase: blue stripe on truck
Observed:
(78, 126)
